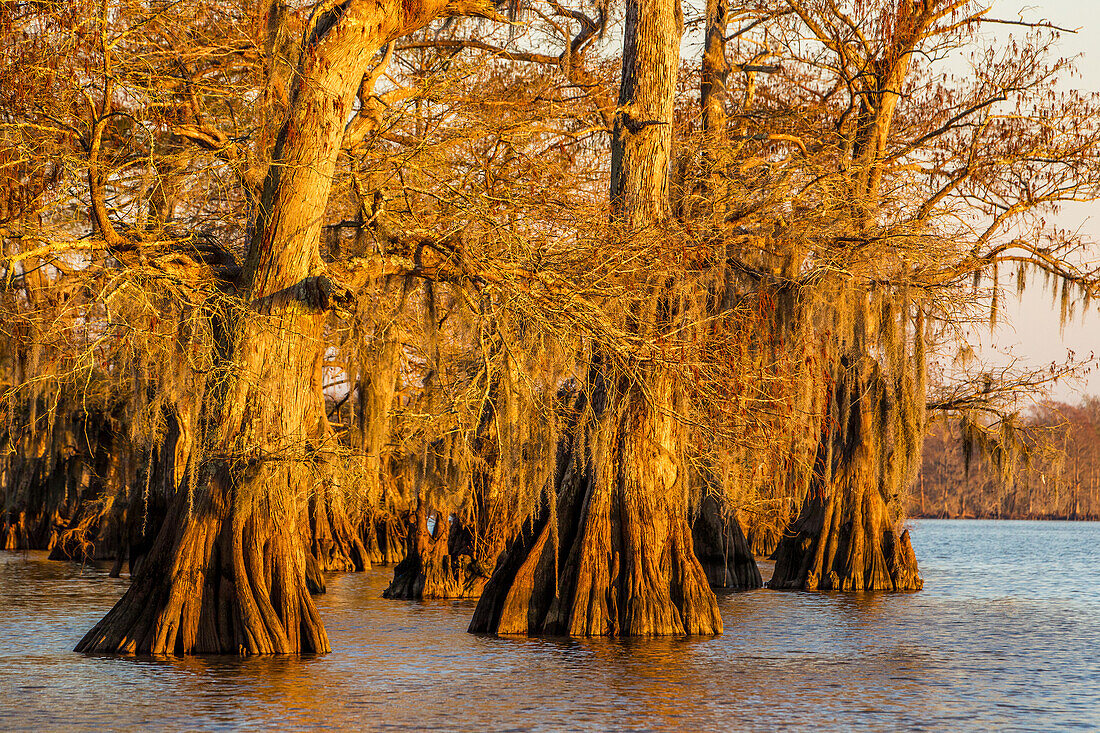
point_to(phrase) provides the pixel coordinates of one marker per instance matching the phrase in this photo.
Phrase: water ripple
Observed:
(1003, 636)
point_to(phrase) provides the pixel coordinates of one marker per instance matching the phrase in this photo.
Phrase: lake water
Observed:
(1006, 635)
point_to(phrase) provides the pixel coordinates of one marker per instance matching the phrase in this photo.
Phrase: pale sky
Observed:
(1032, 332)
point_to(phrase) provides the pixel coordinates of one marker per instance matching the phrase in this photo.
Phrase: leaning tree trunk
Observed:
(227, 572)
(846, 536)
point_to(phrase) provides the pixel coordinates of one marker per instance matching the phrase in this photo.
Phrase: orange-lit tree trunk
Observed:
(846, 536)
(614, 556)
(227, 572)
(431, 568)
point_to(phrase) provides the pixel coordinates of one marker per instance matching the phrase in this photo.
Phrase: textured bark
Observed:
(430, 568)
(228, 570)
(722, 548)
(613, 555)
(334, 542)
(641, 141)
(845, 537)
(713, 75)
(845, 543)
(222, 580)
(384, 536)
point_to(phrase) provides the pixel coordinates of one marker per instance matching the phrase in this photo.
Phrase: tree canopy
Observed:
(514, 294)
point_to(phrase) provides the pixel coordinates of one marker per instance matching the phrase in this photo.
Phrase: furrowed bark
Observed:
(228, 571)
(430, 569)
(846, 536)
(612, 553)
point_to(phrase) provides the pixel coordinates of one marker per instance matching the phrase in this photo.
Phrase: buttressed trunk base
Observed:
(227, 579)
(845, 537)
(430, 569)
(228, 571)
(613, 556)
(845, 543)
(722, 548)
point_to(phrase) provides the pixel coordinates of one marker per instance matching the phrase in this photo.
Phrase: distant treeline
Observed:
(1052, 473)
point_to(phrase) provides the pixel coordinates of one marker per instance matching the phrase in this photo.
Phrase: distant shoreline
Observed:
(1015, 517)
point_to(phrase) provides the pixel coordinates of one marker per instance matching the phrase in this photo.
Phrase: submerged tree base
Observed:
(22, 530)
(429, 569)
(334, 544)
(846, 546)
(219, 580)
(384, 537)
(613, 555)
(722, 548)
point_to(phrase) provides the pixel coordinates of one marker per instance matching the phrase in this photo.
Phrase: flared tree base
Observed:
(845, 546)
(384, 537)
(613, 556)
(334, 543)
(218, 581)
(722, 549)
(430, 569)
(445, 577)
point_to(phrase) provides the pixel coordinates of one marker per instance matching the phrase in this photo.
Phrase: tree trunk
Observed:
(456, 557)
(845, 543)
(641, 142)
(228, 570)
(384, 536)
(713, 74)
(334, 542)
(613, 555)
(723, 549)
(846, 537)
(430, 569)
(93, 531)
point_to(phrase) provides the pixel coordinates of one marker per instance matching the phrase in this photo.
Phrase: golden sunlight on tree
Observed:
(521, 301)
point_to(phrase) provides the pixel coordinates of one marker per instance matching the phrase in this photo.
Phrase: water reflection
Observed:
(1003, 636)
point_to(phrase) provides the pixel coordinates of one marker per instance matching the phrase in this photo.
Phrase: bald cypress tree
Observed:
(228, 570)
(610, 552)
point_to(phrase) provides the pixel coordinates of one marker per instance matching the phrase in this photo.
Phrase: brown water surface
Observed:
(1006, 635)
